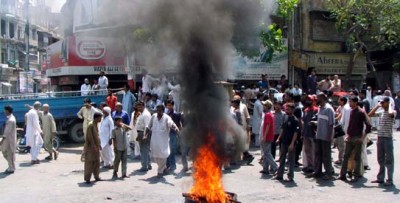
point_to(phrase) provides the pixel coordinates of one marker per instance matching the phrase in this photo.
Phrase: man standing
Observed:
(160, 125)
(287, 140)
(279, 118)
(267, 139)
(49, 132)
(92, 149)
(120, 140)
(111, 100)
(142, 122)
(176, 117)
(106, 127)
(245, 117)
(33, 135)
(385, 141)
(176, 95)
(86, 113)
(312, 83)
(8, 143)
(308, 134)
(263, 83)
(354, 138)
(128, 100)
(85, 88)
(324, 138)
(103, 83)
(257, 117)
(119, 112)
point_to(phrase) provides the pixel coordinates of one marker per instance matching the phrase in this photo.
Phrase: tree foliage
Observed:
(272, 37)
(286, 7)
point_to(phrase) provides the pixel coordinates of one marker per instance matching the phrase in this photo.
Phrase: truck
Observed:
(64, 107)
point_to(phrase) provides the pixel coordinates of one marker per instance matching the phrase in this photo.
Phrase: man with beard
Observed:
(49, 132)
(324, 138)
(34, 133)
(308, 134)
(106, 127)
(85, 88)
(91, 150)
(160, 125)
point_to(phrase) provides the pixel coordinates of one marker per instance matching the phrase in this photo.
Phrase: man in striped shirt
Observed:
(385, 141)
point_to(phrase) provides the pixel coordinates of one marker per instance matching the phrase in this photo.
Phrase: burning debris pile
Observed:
(199, 34)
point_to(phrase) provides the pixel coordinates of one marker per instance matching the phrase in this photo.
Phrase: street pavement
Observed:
(62, 181)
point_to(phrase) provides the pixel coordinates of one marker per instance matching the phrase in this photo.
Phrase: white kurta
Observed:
(257, 117)
(176, 95)
(103, 84)
(106, 127)
(159, 144)
(85, 89)
(33, 131)
(87, 116)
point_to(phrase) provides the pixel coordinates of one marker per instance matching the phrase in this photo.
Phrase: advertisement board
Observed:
(86, 56)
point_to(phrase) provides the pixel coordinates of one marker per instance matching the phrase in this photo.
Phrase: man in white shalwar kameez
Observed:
(160, 126)
(106, 127)
(33, 135)
(176, 95)
(257, 117)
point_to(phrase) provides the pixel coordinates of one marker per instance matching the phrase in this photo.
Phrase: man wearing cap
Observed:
(267, 137)
(91, 150)
(33, 133)
(86, 113)
(385, 141)
(119, 112)
(49, 132)
(85, 88)
(106, 127)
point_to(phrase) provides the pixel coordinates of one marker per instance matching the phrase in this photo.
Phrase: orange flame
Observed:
(208, 176)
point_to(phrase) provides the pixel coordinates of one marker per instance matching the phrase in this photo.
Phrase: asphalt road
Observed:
(62, 181)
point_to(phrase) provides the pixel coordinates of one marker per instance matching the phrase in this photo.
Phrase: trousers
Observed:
(385, 158)
(161, 163)
(268, 159)
(308, 147)
(352, 145)
(107, 155)
(92, 166)
(144, 152)
(171, 162)
(120, 157)
(323, 156)
(284, 151)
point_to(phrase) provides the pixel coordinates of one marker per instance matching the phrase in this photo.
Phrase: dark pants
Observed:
(171, 162)
(352, 145)
(299, 148)
(323, 156)
(284, 150)
(273, 145)
(92, 165)
(385, 158)
(120, 156)
(144, 151)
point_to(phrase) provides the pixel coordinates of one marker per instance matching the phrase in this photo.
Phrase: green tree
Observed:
(367, 26)
(271, 36)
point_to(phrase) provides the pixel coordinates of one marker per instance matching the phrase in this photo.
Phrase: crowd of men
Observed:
(303, 125)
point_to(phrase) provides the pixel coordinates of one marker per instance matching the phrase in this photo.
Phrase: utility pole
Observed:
(27, 43)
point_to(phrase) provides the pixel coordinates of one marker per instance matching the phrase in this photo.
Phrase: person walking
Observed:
(267, 139)
(8, 143)
(106, 128)
(33, 135)
(49, 132)
(385, 141)
(91, 150)
(173, 135)
(308, 134)
(354, 139)
(287, 140)
(119, 139)
(160, 125)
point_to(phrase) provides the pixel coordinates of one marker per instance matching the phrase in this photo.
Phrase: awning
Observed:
(6, 84)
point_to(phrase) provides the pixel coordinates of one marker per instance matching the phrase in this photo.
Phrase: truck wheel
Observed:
(76, 133)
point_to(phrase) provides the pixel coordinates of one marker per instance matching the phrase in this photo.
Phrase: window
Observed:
(3, 28)
(12, 30)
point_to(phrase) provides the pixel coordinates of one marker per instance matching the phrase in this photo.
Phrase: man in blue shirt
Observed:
(263, 83)
(121, 113)
(128, 100)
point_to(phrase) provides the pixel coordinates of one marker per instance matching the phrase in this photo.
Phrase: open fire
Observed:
(208, 177)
